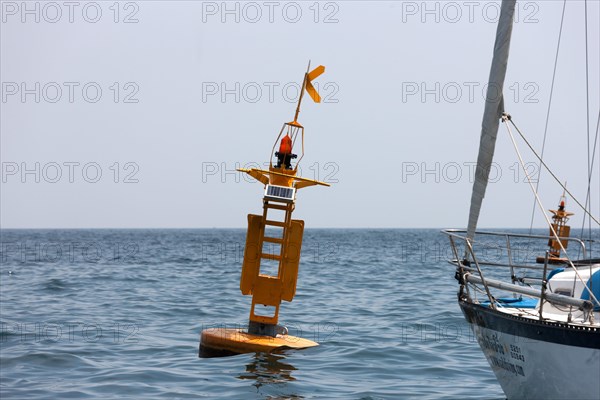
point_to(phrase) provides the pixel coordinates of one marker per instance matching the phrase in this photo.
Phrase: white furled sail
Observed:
(494, 107)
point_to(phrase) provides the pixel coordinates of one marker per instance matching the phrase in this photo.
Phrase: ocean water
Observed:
(117, 314)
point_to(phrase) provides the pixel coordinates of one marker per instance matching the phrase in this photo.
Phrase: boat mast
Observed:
(494, 107)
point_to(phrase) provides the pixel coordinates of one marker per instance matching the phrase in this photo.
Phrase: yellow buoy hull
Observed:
(222, 341)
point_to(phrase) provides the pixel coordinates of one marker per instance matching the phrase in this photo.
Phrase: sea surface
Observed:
(117, 314)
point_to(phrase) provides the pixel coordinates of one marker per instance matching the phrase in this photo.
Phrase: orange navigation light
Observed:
(284, 155)
(286, 145)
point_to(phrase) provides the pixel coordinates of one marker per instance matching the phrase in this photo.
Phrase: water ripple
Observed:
(125, 323)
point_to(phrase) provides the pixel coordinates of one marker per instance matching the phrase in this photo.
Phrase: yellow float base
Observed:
(221, 341)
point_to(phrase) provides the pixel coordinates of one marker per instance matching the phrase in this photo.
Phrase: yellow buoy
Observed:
(222, 341)
(270, 288)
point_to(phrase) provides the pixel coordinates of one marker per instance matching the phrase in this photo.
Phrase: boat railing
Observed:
(460, 234)
(469, 266)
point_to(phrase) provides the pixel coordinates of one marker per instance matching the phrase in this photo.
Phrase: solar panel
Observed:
(280, 193)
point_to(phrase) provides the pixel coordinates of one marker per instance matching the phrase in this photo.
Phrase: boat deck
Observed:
(533, 313)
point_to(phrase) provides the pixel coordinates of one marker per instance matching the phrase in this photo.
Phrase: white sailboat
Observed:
(540, 331)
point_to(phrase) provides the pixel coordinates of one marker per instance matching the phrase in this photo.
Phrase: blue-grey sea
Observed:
(116, 314)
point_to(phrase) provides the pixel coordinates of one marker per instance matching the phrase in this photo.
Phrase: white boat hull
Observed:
(537, 360)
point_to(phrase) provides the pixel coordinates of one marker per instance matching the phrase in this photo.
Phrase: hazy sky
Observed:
(135, 114)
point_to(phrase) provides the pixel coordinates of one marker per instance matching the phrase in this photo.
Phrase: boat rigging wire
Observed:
(562, 18)
(587, 120)
(590, 174)
(507, 117)
(585, 210)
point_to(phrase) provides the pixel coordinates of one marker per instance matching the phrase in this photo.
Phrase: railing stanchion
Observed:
(544, 285)
(487, 289)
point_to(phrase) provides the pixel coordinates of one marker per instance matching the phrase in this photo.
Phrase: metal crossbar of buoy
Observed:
(268, 290)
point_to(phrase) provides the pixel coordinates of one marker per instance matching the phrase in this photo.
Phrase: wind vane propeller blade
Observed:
(310, 89)
(316, 72)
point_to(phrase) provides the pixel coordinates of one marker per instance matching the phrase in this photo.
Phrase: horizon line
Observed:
(245, 227)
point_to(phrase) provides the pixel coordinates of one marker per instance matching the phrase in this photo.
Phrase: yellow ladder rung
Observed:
(272, 240)
(277, 206)
(271, 256)
(275, 223)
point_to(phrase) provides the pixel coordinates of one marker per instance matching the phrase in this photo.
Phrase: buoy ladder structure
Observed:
(268, 289)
